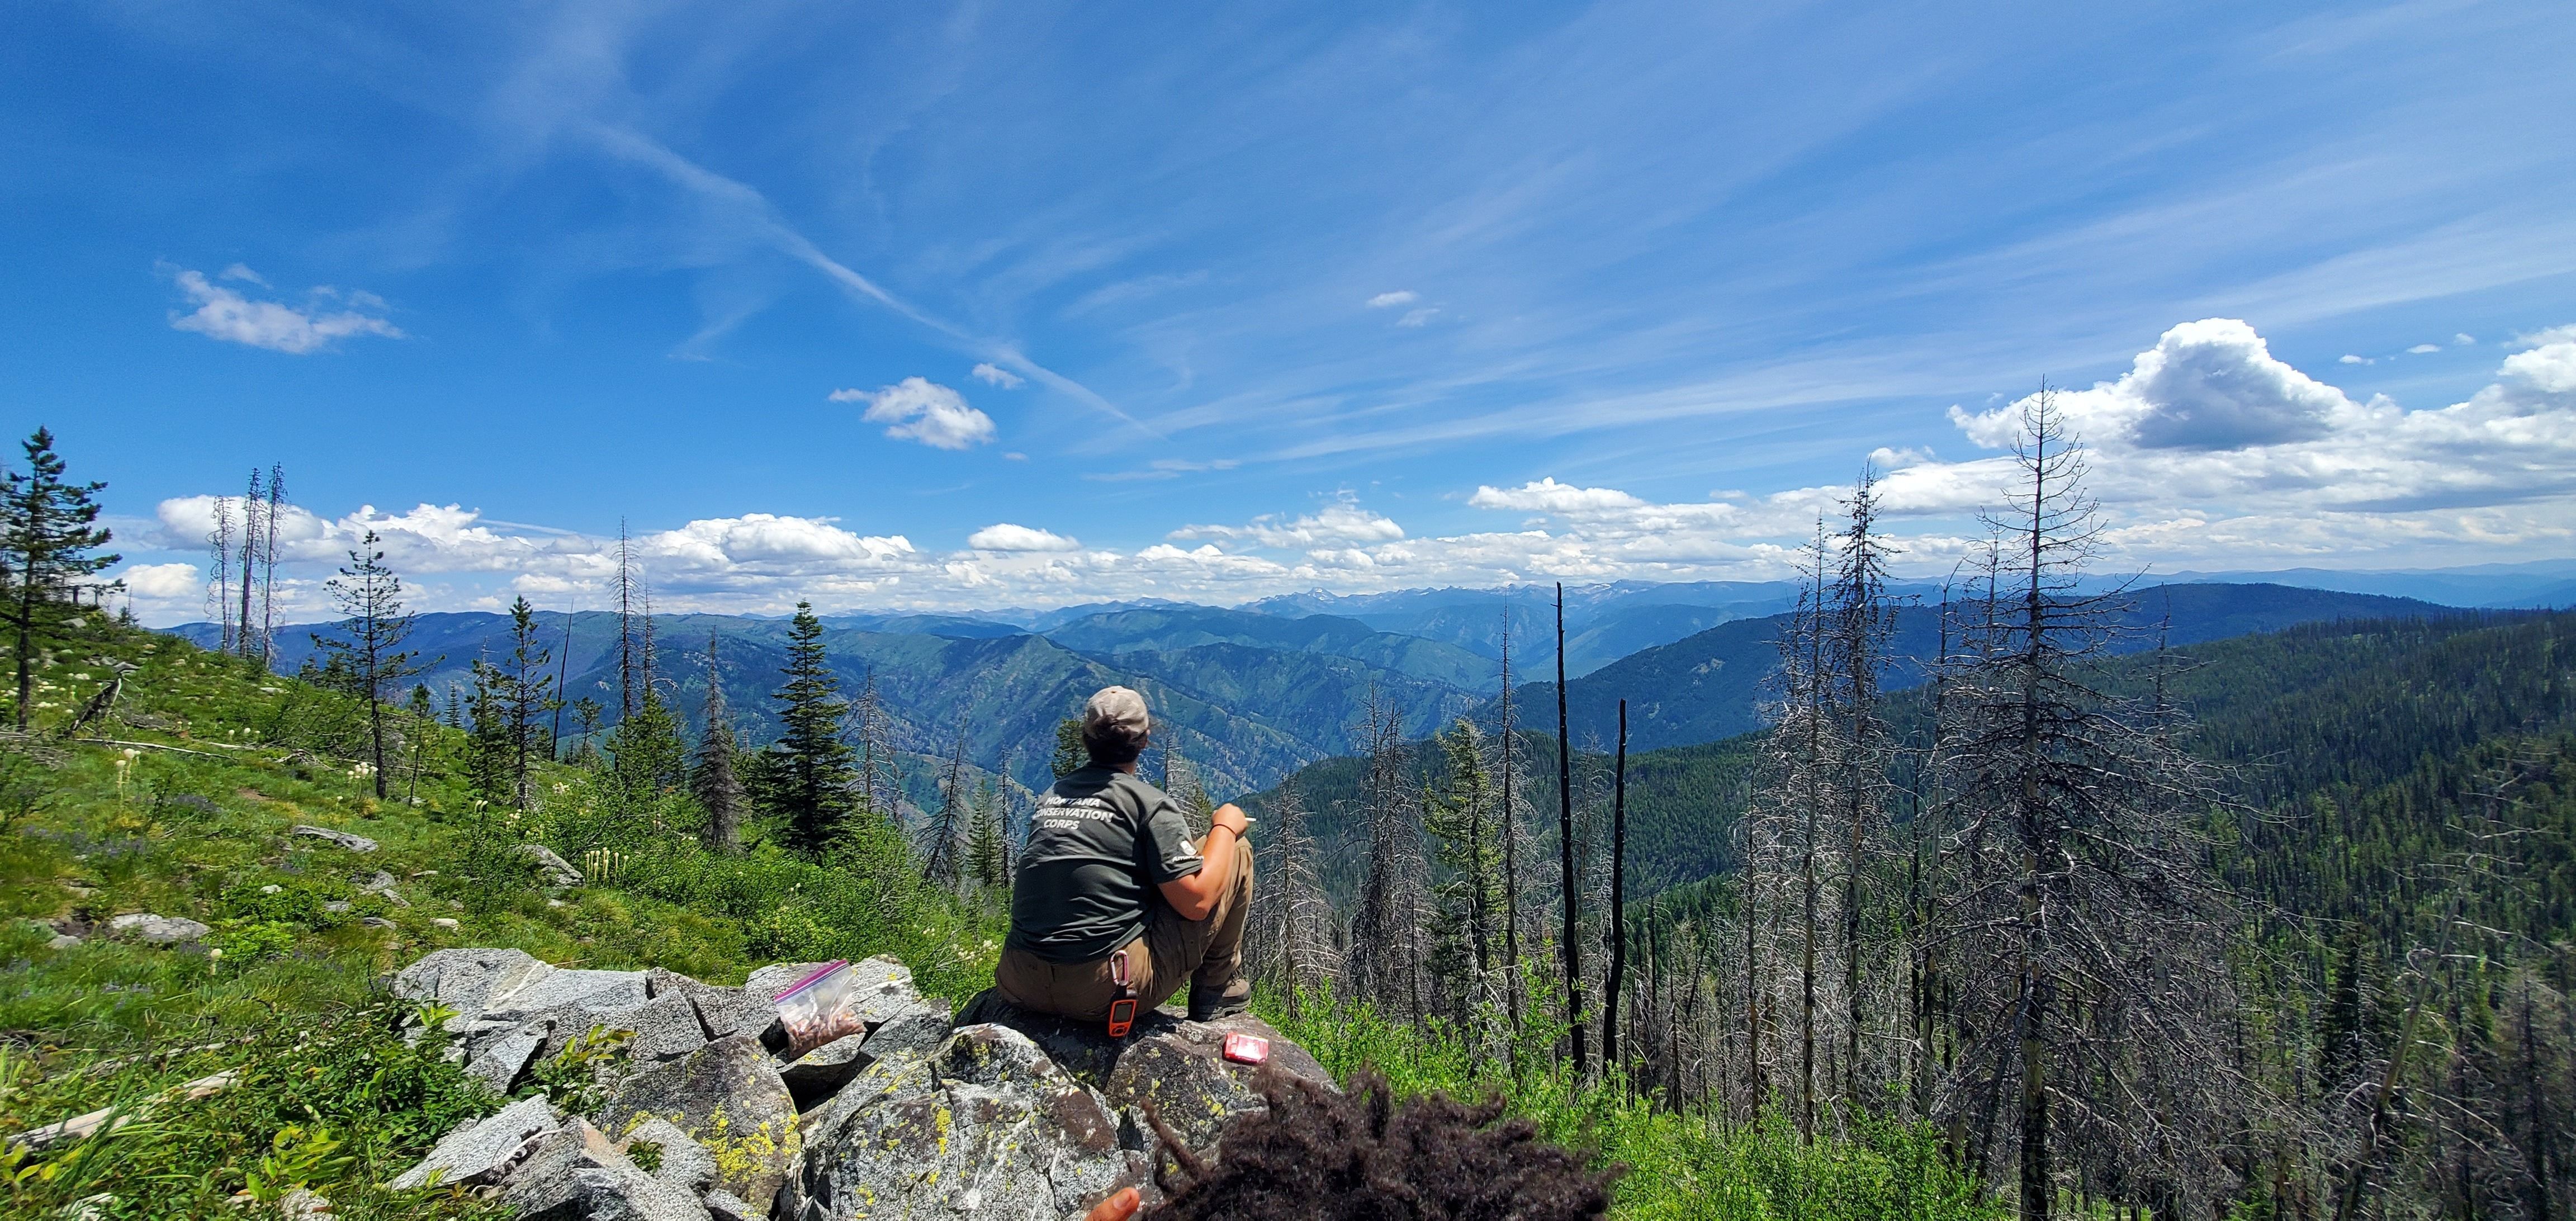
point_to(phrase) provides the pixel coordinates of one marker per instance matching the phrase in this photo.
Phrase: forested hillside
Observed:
(1714, 684)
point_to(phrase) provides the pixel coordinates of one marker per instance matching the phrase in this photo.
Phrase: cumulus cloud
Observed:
(1401, 296)
(159, 582)
(2206, 385)
(328, 316)
(918, 409)
(995, 375)
(2422, 348)
(2350, 359)
(1004, 536)
(1548, 496)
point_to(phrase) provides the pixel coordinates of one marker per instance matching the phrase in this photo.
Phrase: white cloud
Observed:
(918, 409)
(2206, 385)
(2422, 348)
(1401, 296)
(2350, 359)
(2550, 366)
(1004, 536)
(239, 272)
(1418, 317)
(1548, 496)
(995, 375)
(227, 315)
(159, 582)
(2463, 339)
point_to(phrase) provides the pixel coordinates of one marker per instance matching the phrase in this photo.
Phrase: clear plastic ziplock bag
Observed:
(816, 1010)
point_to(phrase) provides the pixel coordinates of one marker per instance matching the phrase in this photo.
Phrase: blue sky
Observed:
(1272, 297)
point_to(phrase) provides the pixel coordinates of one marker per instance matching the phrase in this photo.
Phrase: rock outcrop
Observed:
(703, 1115)
(157, 930)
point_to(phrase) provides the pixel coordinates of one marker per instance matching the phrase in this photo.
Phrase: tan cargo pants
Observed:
(1208, 952)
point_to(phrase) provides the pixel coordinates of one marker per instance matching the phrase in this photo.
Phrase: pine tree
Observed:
(488, 750)
(48, 534)
(1386, 932)
(941, 846)
(1569, 877)
(527, 692)
(1290, 946)
(1506, 817)
(648, 764)
(219, 590)
(274, 509)
(814, 781)
(254, 533)
(374, 625)
(1070, 754)
(2079, 899)
(988, 851)
(1459, 815)
(713, 779)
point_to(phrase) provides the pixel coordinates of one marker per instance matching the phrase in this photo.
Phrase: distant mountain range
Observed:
(1259, 690)
(1712, 685)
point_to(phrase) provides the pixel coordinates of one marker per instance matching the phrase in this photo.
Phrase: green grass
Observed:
(330, 1096)
(1675, 1165)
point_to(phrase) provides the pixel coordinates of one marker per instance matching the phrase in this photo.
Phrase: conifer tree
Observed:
(988, 851)
(2079, 898)
(648, 764)
(526, 692)
(941, 847)
(1291, 945)
(1386, 932)
(813, 766)
(1070, 753)
(713, 778)
(1569, 878)
(1459, 815)
(219, 590)
(1507, 818)
(373, 626)
(254, 532)
(49, 533)
(488, 751)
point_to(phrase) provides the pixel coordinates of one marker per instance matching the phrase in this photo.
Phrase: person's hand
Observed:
(1118, 1207)
(1231, 817)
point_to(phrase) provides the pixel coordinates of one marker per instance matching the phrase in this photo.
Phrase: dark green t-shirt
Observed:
(1100, 841)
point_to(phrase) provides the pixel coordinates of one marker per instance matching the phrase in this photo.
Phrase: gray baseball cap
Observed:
(1119, 710)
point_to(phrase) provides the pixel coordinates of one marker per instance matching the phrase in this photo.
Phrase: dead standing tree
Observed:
(1385, 961)
(2086, 934)
(1855, 632)
(1292, 918)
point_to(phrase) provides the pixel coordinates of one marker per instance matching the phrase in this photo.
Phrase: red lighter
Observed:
(1247, 1048)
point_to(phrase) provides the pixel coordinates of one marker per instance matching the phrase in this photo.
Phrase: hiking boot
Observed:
(1208, 1006)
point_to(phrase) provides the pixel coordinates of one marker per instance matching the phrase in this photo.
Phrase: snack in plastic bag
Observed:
(816, 1009)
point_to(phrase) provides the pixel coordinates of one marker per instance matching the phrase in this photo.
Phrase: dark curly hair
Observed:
(1315, 1155)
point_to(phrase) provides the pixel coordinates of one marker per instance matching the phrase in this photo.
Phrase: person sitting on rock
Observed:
(1114, 900)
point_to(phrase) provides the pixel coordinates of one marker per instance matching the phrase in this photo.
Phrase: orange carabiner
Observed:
(1122, 1011)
